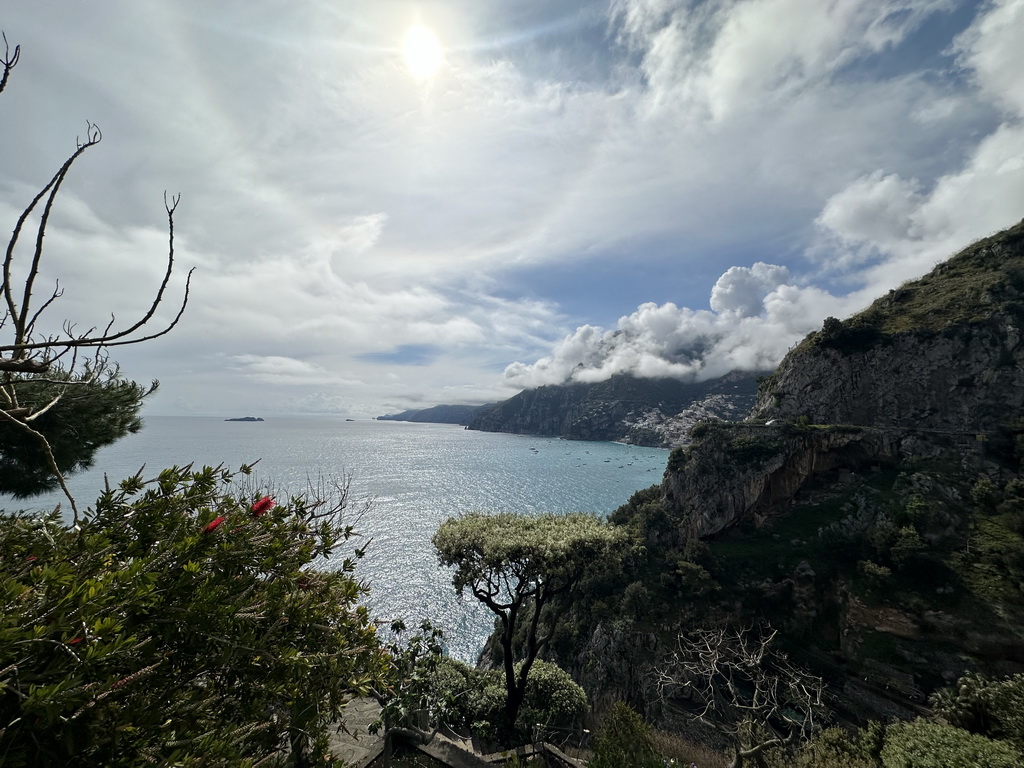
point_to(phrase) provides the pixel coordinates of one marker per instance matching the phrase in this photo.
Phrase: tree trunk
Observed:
(515, 701)
(514, 696)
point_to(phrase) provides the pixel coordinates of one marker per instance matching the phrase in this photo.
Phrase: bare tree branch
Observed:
(9, 61)
(26, 356)
(23, 344)
(735, 681)
(48, 450)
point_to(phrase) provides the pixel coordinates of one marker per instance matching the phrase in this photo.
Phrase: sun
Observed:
(422, 51)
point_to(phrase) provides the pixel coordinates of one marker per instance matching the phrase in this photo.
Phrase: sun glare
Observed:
(422, 52)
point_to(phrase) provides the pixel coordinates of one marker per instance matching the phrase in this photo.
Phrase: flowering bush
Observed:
(182, 623)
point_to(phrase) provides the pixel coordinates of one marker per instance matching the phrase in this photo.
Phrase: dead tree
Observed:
(40, 370)
(735, 681)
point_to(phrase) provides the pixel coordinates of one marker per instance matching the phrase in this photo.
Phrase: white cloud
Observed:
(871, 214)
(274, 369)
(907, 226)
(732, 57)
(341, 214)
(757, 316)
(741, 289)
(992, 49)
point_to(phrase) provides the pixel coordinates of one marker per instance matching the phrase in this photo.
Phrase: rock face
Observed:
(943, 352)
(872, 510)
(652, 412)
(966, 379)
(766, 465)
(929, 368)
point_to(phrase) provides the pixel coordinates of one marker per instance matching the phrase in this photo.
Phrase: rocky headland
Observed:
(871, 507)
(439, 414)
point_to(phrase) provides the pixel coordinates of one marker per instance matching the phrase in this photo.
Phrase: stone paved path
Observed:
(358, 746)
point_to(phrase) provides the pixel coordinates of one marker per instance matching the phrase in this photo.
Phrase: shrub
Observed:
(876, 575)
(982, 705)
(908, 544)
(751, 449)
(624, 741)
(184, 622)
(434, 690)
(985, 494)
(699, 430)
(553, 701)
(832, 748)
(924, 744)
(553, 698)
(677, 460)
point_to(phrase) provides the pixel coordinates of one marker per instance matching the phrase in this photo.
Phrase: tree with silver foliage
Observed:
(516, 565)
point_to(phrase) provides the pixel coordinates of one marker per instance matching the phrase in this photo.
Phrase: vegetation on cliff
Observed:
(967, 289)
(888, 554)
(941, 352)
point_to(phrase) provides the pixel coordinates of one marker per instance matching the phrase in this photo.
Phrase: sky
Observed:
(392, 204)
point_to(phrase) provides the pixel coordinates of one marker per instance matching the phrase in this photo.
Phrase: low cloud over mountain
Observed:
(756, 315)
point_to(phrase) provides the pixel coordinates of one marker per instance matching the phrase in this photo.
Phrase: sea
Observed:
(404, 478)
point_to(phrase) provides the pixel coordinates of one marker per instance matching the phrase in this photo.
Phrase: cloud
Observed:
(992, 49)
(731, 57)
(876, 231)
(908, 226)
(742, 289)
(320, 403)
(756, 316)
(273, 369)
(346, 219)
(875, 211)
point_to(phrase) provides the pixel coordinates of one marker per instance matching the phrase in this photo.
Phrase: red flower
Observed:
(262, 506)
(212, 525)
(75, 641)
(31, 558)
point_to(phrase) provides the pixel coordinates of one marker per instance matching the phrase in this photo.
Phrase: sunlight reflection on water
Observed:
(414, 475)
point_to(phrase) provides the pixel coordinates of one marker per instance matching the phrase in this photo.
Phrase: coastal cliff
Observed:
(439, 414)
(650, 412)
(872, 508)
(943, 352)
(932, 369)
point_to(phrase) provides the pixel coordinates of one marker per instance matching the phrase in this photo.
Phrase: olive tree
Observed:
(516, 565)
(60, 396)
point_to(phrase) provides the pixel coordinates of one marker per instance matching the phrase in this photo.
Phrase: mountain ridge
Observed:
(439, 414)
(623, 408)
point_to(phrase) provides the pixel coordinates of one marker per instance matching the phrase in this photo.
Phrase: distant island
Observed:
(246, 418)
